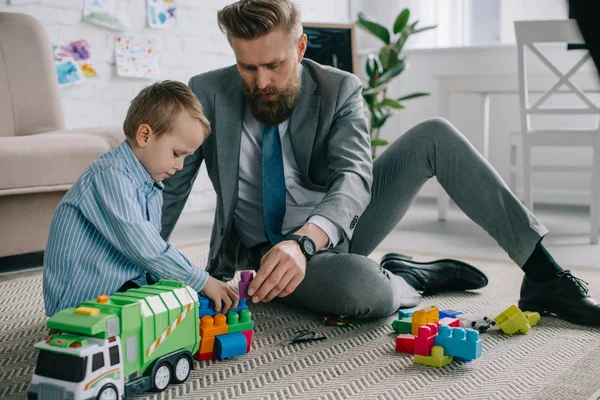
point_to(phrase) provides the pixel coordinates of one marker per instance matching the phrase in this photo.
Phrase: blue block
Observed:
(458, 342)
(449, 313)
(206, 307)
(406, 312)
(241, 306)
(230, 345)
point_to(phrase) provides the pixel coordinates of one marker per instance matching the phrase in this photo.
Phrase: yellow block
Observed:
(87, 310)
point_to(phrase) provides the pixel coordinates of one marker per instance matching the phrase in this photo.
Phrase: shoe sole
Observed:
(462, 264)
(524, 306)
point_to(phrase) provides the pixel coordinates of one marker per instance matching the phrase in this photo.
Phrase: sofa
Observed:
(39, 158)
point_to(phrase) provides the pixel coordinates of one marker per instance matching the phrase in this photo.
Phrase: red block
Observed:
(203, 356)
(405, 343)
(449, 321)
(425, 340)
(248, 335)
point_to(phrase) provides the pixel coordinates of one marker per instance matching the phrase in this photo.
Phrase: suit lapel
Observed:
(229, 112)
(303, 122)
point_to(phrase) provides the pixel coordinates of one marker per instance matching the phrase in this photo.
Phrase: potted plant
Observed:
(382, 68)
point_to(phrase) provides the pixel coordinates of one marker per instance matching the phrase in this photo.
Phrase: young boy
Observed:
(105, 233)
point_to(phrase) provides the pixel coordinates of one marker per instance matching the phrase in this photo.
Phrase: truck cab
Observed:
(75, 367)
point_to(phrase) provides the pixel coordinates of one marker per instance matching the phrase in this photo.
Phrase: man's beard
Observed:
(277, 109)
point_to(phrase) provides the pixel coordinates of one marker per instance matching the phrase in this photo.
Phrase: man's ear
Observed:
(302, 43)
(143, 135)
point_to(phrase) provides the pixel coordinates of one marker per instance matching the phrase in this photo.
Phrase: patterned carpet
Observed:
(556, 360)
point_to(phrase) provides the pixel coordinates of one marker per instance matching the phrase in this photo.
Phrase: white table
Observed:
(485, 86)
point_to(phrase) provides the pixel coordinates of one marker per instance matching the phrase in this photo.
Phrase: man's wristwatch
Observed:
(306, 245)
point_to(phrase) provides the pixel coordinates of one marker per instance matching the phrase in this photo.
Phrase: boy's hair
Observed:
(159, 105)
(250, 19)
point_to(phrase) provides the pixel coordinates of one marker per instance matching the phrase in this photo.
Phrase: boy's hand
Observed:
(225, 296)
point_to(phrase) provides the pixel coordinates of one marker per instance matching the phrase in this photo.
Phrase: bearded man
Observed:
(300, 200)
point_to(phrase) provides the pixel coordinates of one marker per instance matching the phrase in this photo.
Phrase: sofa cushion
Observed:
(47, 159)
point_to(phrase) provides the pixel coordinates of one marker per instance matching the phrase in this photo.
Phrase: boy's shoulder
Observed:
(109, 163)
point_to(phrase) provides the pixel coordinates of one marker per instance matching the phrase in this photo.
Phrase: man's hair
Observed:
(251, 19)
(159, 105)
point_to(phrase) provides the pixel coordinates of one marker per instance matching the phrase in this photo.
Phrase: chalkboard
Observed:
(332, 44)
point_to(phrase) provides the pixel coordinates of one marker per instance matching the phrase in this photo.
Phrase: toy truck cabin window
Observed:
(97, 361)
(113, 353)
(64, 367)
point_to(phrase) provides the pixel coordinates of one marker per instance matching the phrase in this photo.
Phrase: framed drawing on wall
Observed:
(333, 45)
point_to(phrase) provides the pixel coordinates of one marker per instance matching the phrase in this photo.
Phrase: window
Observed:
(113, 353)
(97, 361)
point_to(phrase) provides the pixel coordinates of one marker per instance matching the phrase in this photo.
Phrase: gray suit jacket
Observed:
(330, 141)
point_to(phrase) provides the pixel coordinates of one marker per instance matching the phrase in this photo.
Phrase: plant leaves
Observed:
(424, 29)
(401, 20)
(374, 28)
(388, 57)
(392, 103)
(413, 96)
(379, 142)
(374, 89)
(393, 72)
(373, 66)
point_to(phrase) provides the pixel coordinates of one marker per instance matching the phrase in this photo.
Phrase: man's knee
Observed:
(438, 130)
(362, 290)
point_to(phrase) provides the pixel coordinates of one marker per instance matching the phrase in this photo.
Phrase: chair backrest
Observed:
(29, 96)
(528, 34)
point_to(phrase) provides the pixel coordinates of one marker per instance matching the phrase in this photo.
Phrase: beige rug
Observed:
(556, 360)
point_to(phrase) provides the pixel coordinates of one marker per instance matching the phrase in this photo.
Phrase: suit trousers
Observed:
(344, 281)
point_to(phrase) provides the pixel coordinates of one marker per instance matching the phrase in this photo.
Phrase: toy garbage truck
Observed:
(118, 346)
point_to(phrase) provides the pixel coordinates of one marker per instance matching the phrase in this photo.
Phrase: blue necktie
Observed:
(273, 181)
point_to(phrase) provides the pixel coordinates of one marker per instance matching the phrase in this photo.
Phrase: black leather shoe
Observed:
(436, 276)
(565, 296)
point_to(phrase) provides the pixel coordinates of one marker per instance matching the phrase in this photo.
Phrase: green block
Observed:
(239, 322)
(403, 325)
(437, 358)
(533, 317)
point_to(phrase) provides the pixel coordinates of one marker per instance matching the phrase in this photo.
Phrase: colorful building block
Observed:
(449, 321)
(406, 312)
(241, 306)
(423, 317)
(450, 313)
(436, 359)
(239, 322)
(533, 317)
(230, 345)
(459, 342)
(403, 325)
(248, 335)
(405, 343)
(207, 344)
(246, 279)
(206, 306)
(512, 320)
(204, 356)
(425, 339)
(210, 326)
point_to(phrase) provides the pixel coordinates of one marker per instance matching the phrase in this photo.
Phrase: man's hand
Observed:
(281, 271)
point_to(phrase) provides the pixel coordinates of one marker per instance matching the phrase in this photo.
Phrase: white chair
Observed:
(530, 33)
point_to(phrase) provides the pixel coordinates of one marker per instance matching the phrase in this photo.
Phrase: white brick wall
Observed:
(196, 46)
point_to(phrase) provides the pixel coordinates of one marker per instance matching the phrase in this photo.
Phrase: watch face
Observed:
(309, 247)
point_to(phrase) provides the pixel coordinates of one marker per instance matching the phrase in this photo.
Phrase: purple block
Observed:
(244, 283)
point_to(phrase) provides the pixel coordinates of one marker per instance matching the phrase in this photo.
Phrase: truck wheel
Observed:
(162, 377)
(182, 369)
(108, 392)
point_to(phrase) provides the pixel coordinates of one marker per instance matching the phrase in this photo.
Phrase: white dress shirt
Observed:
(300, 201)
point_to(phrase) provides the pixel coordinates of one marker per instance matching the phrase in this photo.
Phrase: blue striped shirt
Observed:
(106, 231)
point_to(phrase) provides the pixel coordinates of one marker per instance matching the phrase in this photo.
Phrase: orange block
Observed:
(207, 344)
(210, 326)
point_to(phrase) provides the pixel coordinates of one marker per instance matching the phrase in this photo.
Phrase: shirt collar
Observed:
(134, 166)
